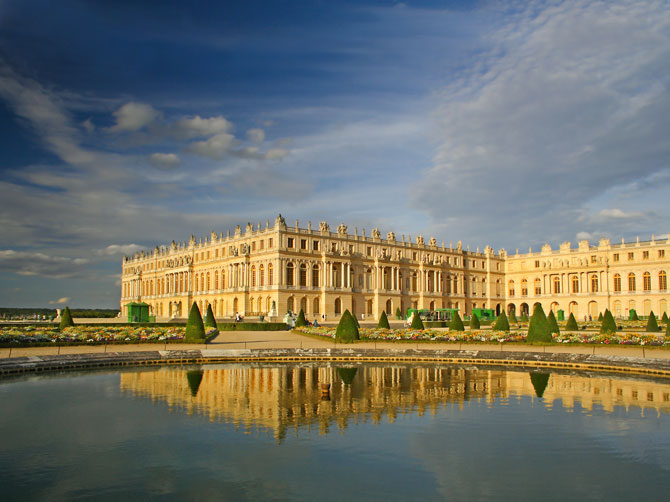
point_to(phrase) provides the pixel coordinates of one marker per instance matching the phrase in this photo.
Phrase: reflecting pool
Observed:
(334, 432)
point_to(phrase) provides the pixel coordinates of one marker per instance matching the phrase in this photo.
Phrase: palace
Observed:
(273, 269)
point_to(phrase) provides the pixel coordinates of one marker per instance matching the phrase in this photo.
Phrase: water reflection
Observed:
(280, 397)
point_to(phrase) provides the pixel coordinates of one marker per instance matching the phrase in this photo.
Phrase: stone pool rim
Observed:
(512, 360)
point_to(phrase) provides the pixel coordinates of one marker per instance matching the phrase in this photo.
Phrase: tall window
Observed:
(631, 282)
(557, 285)
(223, 279)
(261, 275)
(315, 277)
(662, 281)
(216, 280)
(253, 277)
(511, 288)
(289, 274)
(575, 284)
(594, 283)
(538, 286)
(303, 275)
(646, 281)
(270, 274)
(617, 283)
(208, 284)
(524, 287)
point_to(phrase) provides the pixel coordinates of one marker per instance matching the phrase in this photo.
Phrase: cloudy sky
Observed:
(127, 124)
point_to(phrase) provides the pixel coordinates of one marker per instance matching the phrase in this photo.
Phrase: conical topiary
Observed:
(633, 315)
(195, 329)
(383, 321)
(347, 330)
(398, 313)
(456, 324)
(512, 317)
(417, 323)
(667, 331)
(553, 324)
(66, 319)
(474, 322)
(210, 320)
(538, 329)
(608, 325)
(301, 321)
(571, 325)
(600, 317)
(665, 317)
(539, 381)
(524, 317)
(194, 378)
(652, 325)
(347, 374)
(502, 324)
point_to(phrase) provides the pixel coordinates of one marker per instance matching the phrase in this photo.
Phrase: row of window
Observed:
(595, 284)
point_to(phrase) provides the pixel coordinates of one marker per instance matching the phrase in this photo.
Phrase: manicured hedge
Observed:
(435, 324)
(608, 325)
(195, 329)
(539, 329)
(383, 321)
(347, 329)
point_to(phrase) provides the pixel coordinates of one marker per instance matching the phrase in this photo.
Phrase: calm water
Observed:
(381, 433)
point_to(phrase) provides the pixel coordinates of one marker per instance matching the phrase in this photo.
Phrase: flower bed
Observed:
(27, 335)
(478, 336)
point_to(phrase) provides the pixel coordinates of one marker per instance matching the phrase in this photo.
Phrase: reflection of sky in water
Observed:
(80, 436)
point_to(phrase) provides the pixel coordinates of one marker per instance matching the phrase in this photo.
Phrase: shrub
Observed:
(417, 323)
(608, 325)
(633, 315)
(195, 329)
(571, 325)
(652, 325)
(194, 378)
(347, 330)
(665, 317)
(456, 323)
(553, 325)
(383, 321)
(398, 313)
(512, 318)
(210, 320)
(524, 317)
(539, 329)
(539, 381)
(600, 317)
(474, 322)
(502, 324)
(252, 326)
(667, 331)
(66, 319)
(347, 374)
(301, 321)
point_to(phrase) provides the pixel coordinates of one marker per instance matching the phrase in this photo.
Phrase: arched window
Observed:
(216, 280)
(631, 282)
(575, 284)
(338, 306)
(315, 277)
(497, 287)
(617, 283)
(511, 288)
(251, 304)
(538, 286)
(646, 281)
(289, 304)
(208, 284)
(289, 275)
(662, 281)
(303, 275)
(253, 278)
(202, 282)
(223, 279)
(261, 276)
(270, 274)
(474, 286)
(594, 283)
(557, 285)
(524, 287)
(316, 305)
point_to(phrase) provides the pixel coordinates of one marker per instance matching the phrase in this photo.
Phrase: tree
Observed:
(417, 323)
(572, 323)
(456, 324)
(194, 378)
(474, 322)
(633, 315)
(665, 317)
(398, 313)
(538, 329)
(524, 317)
(502, 324)
(347, 374)
(553, 324)
(195, 329)
(608, 325)
(66, 319)
(301, 321)
(347, 330)
(539, 381)
(667, 331)
(210, 320)
(383, 321)
(512, 317)
(652, 325)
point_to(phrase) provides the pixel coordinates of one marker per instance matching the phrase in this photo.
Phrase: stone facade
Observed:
(275, 268)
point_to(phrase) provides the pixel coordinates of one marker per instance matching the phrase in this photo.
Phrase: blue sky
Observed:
(125, 125)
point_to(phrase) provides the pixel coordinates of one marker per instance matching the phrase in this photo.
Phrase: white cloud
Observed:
(88, 125)
(276, 154)
(256, 135)
(120, 249)
(570, 102)
(133, 117)
(215, 147)
(193, 127)
(60, 301)
(581, 236)
(40, 264)
(165, 160)
(618, 214)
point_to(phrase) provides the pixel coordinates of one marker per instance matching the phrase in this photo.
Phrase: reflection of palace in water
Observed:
(276, 398)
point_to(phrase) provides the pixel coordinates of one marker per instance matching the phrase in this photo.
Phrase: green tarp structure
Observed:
(138, 312)
(561, 315)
